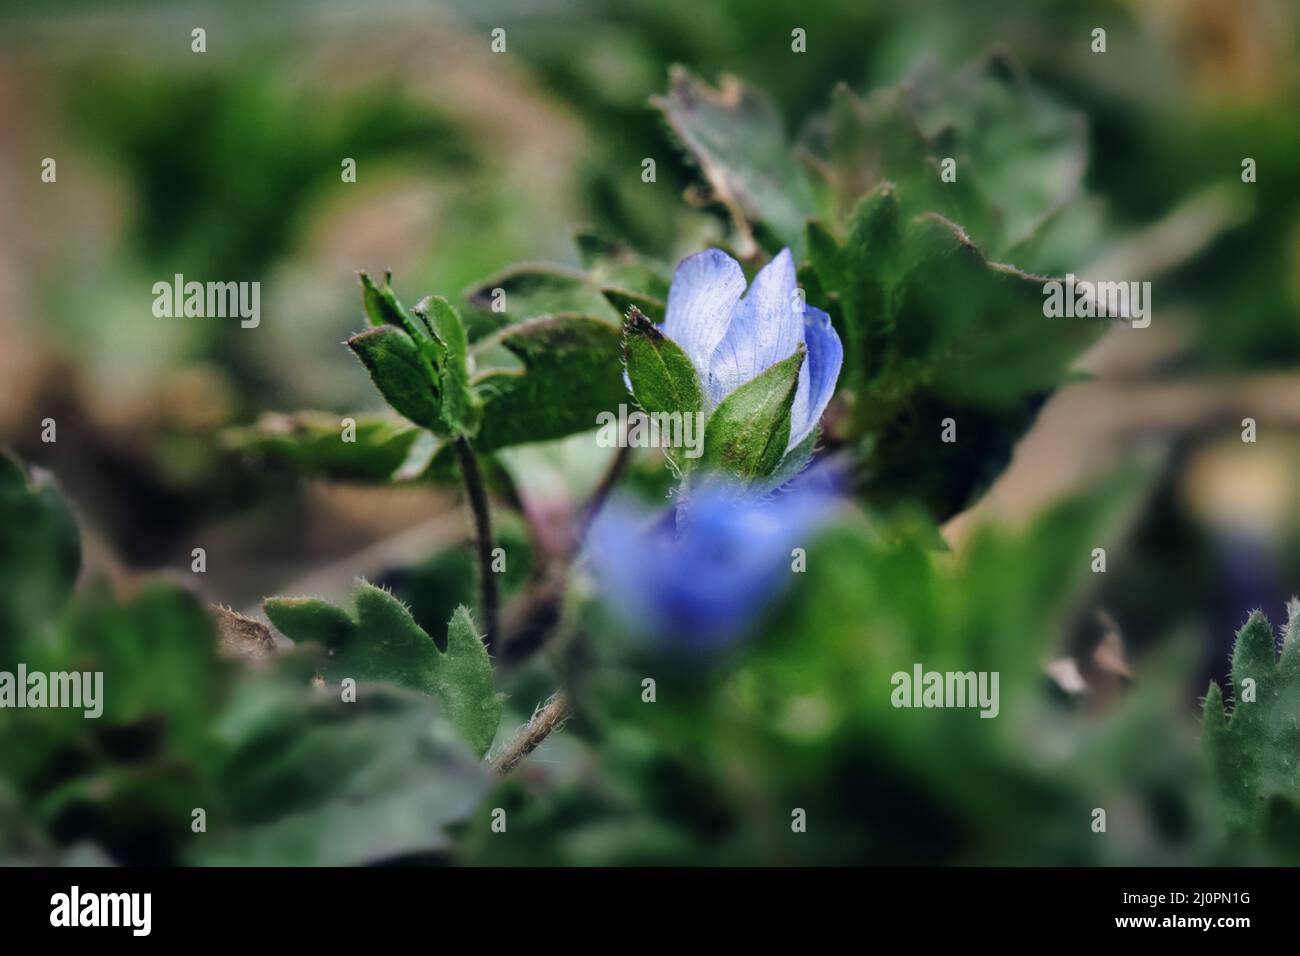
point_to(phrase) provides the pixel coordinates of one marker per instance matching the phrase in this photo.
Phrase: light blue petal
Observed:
(766, 328)
(701, 300)
(821, 369)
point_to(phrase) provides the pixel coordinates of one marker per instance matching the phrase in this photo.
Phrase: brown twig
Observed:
(552, 714)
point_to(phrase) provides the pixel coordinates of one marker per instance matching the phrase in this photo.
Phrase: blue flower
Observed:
(699, 575)
(731, 339)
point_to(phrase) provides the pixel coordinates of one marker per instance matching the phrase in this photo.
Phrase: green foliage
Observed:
(612, 279)
(738, 140)
(285, 773)
(936, 331)
(460, 408)
(663, 379)
(661, 374)
(312, 444)
(1019, 155)
(401, 373)
(746, 435)
(418, 360)
(383, 643)
(571, 373)
(40, 550)
(372, 779)
(624, 302)
(530, 291)
(1254, 751)
(614, 266)
(536, 380)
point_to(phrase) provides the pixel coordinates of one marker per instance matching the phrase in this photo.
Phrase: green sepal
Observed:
(746, 436)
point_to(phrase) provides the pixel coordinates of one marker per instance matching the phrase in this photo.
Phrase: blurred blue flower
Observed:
(697, 576)
(731, 340)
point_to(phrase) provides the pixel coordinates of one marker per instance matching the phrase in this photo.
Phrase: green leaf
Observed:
(571, 373)
(400, 372)
(460, 411)
(384, 644)
(614, 277)
(932, 330)
(862, 274)
(158, 651)
(383, 308)
(614, 265)
(662, 376)
(287, 774)
(307, 779)
(418, 360)
(422, 459)
(310, 619)
(464, 682)
(40, 552)
(380, 308)
(530, 290)
(746, 435)
(1020, 156)
(738, 140)
(1252, 751)
(1022, 153)
(860, 142)
(312, 444)
(624, 301)
(978, 325)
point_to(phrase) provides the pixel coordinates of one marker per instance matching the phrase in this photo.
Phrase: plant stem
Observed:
(617, 465)
(478, 502)
(553, 713)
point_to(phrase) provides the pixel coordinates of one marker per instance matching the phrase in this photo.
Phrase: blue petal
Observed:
(701, 300)
(627, 557)
(766, 328)
(702, 582)
(821, 369)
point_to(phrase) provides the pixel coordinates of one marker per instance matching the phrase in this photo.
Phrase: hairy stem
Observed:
(478, 502)
(553, 713)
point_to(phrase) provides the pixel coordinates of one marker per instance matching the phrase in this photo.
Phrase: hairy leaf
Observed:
(1254, 751)
(400, 372)
(382, 643)
(662, 376)
(571, 373)
(460, 410)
